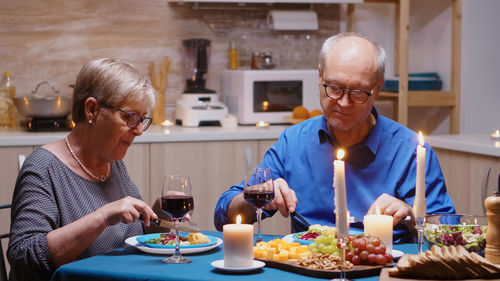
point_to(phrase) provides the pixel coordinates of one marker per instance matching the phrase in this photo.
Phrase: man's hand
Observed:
(391, 206)
(284, 198)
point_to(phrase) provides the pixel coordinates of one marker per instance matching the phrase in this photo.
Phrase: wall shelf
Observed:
(404, 98)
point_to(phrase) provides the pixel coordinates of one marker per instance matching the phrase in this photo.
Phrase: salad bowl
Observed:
(456, 229)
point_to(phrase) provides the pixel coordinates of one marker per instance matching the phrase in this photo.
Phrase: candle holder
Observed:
(420, 232)
(343, 245)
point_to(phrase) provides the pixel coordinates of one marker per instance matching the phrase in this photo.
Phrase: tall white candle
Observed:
(238, 244)
(419, 204)
(379, 226)
(340, 194)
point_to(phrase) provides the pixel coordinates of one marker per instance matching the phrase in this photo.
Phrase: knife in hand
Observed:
(170, 224)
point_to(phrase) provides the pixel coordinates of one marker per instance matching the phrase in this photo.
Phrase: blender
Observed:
(198, 106)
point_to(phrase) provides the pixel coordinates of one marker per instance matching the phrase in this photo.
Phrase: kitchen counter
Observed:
(471, 143)
(153, 135)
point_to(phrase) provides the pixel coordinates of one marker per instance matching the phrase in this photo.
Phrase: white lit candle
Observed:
(262, 124)
(167, 123)
(419, 203)
(495, 135)
(340, 194)
(238, 244)
(379, 226)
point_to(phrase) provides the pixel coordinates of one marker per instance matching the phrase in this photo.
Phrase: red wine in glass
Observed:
(177, 206)
(259, 191)
(177, 201)
(257, 198)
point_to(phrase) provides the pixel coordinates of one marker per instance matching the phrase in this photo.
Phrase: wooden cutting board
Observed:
(384, 276)
(357, 271)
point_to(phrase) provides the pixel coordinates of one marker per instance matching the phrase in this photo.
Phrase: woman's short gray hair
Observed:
(113, 82)
(330, 42)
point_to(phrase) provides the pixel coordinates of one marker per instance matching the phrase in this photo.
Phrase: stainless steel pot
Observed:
(43, 105)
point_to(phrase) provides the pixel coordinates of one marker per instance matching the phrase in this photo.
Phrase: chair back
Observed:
(3, 265)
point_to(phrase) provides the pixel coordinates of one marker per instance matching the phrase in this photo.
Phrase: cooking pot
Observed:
(43, 105)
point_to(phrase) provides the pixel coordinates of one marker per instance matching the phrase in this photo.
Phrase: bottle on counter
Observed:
(7, 108)
(233, 55)
(492, 204)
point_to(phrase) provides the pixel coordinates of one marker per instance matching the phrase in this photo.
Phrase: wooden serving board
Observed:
(357, 271)
(384, 276)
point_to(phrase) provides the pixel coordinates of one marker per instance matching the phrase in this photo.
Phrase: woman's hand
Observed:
(126, 210)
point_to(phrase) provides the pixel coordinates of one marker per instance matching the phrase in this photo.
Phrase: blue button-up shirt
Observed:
(384, 162)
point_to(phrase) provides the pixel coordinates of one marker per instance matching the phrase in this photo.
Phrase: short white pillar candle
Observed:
(238, 244)
(380, 226)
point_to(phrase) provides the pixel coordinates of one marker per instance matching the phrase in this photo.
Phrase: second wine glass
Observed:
(259, 191)
(176, 202)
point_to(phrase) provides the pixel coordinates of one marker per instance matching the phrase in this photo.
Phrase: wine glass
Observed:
(259, 191)
(176, 202)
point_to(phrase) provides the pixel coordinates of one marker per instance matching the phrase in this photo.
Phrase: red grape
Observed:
(381, 259)
(362, 244)
(379, 250)
(370, 248)
(356, 260)
(356, 251)
(372, 258)
(375, 242)
(389, 257)
(349, 256)
(363, 255)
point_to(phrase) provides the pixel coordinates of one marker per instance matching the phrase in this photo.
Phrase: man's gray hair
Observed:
(330, 42)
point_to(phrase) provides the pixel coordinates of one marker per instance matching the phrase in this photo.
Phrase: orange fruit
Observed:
(315, 112)
(300, 112)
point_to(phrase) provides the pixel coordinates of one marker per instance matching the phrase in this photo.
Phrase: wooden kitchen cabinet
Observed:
(138, 163)
(9, 168)
(470, 178)
(405, 98)
(213, 168)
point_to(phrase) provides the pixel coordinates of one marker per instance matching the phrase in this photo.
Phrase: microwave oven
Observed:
(269, 95)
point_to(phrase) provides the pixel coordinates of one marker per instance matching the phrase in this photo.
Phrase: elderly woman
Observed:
(73, 197)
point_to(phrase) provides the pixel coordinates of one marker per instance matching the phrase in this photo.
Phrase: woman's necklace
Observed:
(101, 178)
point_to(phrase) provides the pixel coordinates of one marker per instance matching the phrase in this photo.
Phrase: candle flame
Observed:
(420, 138)
(340, 154)
(238, 219)
(377, 210)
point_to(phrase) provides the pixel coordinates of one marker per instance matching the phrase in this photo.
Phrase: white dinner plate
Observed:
(397, 254)
(132, 241)
(290, 239)
(219, 264)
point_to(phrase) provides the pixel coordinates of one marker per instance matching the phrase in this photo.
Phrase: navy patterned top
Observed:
(49, 195)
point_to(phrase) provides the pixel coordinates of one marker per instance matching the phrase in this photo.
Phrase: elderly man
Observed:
(380, 153)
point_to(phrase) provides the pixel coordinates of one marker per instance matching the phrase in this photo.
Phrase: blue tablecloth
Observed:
(131, 264)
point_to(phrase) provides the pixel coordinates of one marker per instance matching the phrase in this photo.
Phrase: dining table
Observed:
(129, 263)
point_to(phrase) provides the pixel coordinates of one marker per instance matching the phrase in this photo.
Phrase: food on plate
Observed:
(169, 239)
(316, 230)
(196, 238)
(446, 262)
(280, 250)
(472, 237)
(300, 112)
(315, 112)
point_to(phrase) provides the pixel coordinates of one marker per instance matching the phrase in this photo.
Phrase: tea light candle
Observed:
(340, 194)
(262, 124)
(238, 244)
(419, 204)
(167, 123)
(496, 135)
(379, 226)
